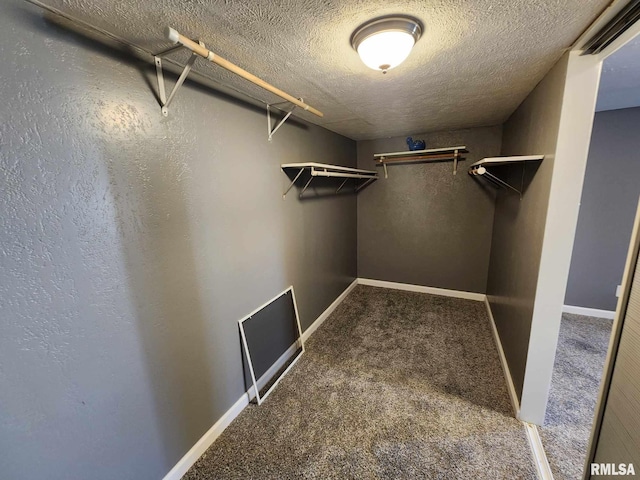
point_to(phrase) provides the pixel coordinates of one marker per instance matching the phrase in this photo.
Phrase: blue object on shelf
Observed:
(415, 144)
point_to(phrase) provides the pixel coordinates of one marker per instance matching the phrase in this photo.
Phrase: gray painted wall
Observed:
(518, 227)
(609, 197)
(130, 246)
(423, 225)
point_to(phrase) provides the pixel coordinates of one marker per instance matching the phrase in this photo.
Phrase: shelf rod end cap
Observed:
(172, 35)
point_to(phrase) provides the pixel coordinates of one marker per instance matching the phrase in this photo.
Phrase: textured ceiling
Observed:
(620, 81)
(477, 60)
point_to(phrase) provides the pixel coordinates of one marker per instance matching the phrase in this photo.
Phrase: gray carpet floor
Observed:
(582, 350)
(394, 385)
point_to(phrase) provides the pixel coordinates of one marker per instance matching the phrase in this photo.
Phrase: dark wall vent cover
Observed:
(616, 27)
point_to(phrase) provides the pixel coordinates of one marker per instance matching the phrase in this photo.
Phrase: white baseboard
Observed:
(539, 455)
(206, 440)
(503, 360)
(589, 312)
(214, 432)
(421, 289)
(324, 315)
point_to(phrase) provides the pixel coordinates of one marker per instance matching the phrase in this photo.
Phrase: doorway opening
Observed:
(605, 222)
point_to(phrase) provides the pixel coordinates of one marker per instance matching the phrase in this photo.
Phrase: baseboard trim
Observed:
(589, 312)
(324, 315)
(479, 297)
(515, 403)
(537, 449)
(201, 446)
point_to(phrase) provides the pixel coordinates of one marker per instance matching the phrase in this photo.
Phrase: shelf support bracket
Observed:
(483, 172)
(164, 101)
(292, 183)
(386, 174)
(161, 90)
(456, 155)
(306, 186)
(341, 185)
(272, 131)
(364, 184)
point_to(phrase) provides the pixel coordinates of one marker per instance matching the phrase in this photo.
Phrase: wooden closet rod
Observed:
(204, 52)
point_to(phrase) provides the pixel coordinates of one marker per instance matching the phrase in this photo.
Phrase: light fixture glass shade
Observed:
(384, 43)
(385, 50)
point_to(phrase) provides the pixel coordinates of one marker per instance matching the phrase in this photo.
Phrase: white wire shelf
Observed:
(326, 170)
(479, 169)
(487, 162)
(432, 154)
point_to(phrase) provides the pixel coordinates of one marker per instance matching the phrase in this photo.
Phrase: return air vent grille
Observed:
(620, 24)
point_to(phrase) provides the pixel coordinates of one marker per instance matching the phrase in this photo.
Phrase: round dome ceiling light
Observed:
(386, 42)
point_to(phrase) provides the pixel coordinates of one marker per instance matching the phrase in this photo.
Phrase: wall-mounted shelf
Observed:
(326, 170)
(433, 154)
(480, 169)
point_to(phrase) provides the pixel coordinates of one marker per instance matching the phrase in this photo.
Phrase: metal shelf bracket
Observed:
(342, 185)
(164, 101)
(293, 182)
(484, 173)
(479, 169)
(271, 131)
(364, 184)
(306, 185)
(456, 155)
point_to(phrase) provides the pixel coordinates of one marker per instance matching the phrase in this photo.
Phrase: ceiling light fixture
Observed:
(384, 43)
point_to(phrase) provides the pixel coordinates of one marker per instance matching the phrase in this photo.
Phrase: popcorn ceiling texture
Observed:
(475, 63)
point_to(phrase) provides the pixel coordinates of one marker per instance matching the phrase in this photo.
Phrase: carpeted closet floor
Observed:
(575, 385)
(394, 385)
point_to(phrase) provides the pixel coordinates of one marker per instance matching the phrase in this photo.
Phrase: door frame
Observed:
(574, 137)
(630, 270)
